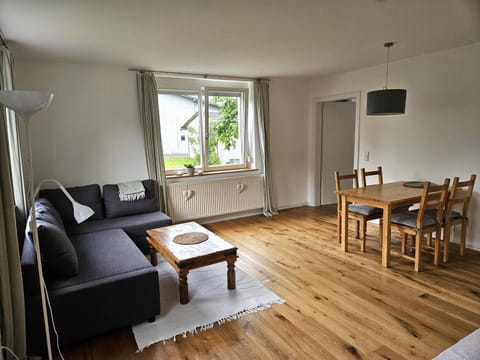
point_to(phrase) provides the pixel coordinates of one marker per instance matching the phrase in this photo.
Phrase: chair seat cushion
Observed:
(409, 219)
(455, 215)
(364, 209)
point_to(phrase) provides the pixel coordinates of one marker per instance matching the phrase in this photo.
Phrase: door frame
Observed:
(316, 149)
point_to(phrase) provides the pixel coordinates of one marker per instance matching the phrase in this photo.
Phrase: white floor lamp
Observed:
(25, 104)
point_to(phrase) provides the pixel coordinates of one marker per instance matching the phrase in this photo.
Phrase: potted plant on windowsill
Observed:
(190, 168)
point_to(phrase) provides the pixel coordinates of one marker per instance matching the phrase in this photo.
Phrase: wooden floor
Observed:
(338, 306)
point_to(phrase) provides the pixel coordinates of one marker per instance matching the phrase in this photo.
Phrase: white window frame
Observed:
(198, 93)
(242, 119)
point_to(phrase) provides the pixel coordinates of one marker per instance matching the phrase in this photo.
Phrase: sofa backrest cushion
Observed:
(116, 208)
(45, 211)
(88, 195)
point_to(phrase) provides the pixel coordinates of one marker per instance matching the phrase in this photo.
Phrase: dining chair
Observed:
(422, 222)
(364, 174)
(379, 174)
(460, 195)
(357, 212)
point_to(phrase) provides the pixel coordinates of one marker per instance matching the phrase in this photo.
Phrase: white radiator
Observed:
(197, 200)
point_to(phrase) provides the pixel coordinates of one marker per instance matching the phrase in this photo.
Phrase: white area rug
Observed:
(467, 348)
(210, 302)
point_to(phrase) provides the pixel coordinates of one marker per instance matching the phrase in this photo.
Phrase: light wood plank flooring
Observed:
(338, 306)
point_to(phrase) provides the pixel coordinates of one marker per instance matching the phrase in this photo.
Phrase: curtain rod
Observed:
(198, 76)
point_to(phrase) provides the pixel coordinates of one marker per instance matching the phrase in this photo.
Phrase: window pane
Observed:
(180, 125)
(224, 139)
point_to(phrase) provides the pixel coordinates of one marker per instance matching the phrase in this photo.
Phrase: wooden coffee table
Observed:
(184, 258)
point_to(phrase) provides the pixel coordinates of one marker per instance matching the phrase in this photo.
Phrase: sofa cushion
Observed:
(134, 225)
(101, 255)
(88, 195)
(58, 254)
(116, 208)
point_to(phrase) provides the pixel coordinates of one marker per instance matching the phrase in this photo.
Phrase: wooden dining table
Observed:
(386, 196)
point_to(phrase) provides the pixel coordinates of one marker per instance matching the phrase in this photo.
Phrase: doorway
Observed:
(336, 124)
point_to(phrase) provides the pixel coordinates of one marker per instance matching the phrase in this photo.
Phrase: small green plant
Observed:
(189, 166)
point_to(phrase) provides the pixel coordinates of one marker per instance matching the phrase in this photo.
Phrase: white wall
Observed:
(91, 132)
(288, 141)
(439, 136)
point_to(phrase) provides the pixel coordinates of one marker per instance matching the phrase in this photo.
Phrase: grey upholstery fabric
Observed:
(134, 225)
(45, 211)
(116, 208)
(364, 209)
(455, 215)
(88, 195)
(409, 219)
(100, 255)
(115, 287)
(58, 254)
(432, 213)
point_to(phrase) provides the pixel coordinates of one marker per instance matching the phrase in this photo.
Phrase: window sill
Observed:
(207, 174)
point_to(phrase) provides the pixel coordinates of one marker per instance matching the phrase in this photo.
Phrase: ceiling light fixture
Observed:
(386, 101)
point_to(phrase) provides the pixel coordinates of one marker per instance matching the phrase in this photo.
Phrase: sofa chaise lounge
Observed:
(96, 273)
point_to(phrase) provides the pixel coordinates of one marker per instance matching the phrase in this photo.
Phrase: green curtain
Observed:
(12, 315)
(150, 120)
(262, 109)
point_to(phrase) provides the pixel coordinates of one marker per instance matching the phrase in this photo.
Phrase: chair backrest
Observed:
(434, 198)
(378, 173)
(461, 193)
(338, 184)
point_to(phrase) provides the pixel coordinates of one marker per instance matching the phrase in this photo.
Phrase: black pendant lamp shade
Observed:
(386, 101)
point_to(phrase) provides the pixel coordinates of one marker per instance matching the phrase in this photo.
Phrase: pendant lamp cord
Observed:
(388, 45)
(388, 59)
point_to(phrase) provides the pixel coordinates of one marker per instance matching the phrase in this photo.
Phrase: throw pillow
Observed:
(116, 208)
(45, 211)
(59, 257)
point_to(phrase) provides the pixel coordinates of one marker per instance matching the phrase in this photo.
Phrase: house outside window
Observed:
(206, 127)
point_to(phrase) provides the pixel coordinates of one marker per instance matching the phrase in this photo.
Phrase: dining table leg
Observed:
(344, 224)
(387, 214)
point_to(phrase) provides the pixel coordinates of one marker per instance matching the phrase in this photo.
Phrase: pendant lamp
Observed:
(386, 101)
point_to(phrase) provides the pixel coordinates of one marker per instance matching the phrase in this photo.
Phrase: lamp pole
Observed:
(25, 104)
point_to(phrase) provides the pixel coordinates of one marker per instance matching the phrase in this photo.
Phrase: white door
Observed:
(338, 145)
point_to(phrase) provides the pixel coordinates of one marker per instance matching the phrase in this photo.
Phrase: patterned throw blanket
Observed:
(131, 190)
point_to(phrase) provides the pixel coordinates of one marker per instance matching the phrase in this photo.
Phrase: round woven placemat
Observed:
(414, 184)
(190, 238)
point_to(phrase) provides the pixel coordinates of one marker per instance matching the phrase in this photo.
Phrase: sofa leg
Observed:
(152, 319)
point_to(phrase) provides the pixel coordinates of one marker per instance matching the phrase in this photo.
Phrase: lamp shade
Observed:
(81, 212)
(386, 102)
(25, 103)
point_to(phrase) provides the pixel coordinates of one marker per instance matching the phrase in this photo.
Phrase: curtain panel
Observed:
(262, 110)
(15, 134)
(12, 308)
(152, 137)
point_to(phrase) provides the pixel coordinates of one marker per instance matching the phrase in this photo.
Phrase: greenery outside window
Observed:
(206, 128)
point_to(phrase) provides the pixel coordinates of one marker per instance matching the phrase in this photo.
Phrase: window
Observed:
(206, 128)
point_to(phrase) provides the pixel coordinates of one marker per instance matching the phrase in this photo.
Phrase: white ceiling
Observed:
(236, 37)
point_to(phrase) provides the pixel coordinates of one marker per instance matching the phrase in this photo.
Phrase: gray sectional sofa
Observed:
(96, 273)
